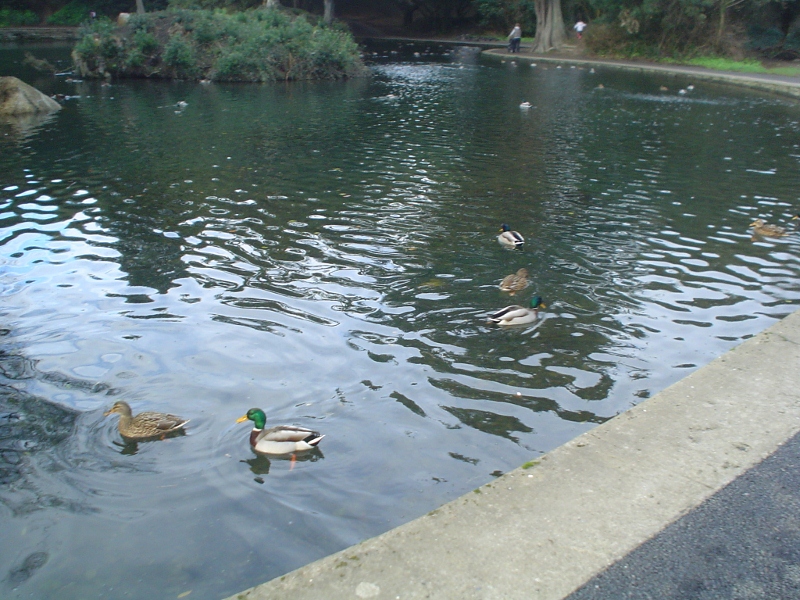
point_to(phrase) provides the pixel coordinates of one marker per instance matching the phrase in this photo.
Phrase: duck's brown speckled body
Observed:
(146, 425)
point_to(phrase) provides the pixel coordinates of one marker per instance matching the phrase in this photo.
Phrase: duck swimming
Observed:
(510, 239)
(515, 282)
(760, 227)
(518, 315)
(145, 425)
(281, 439)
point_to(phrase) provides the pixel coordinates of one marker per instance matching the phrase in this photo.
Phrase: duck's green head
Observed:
(536, 302)
(505, 227)
(256, 415)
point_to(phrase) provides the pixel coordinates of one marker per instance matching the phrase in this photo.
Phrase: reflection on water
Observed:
(327, 251)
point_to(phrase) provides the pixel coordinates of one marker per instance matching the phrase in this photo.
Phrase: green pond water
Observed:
(327, 252)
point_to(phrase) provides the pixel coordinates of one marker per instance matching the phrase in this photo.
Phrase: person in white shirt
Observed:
(579, 27)
(514, 38)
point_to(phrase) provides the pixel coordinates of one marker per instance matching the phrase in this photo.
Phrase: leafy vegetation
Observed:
(652, 29)
(695, 28)
(741, 66)
(254, 45)
(74, 13)
(501, 14)
(10, 17)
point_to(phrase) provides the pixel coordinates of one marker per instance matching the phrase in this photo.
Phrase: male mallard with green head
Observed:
(518, 315)
(510, 239)
(282, 439)
(145, 425)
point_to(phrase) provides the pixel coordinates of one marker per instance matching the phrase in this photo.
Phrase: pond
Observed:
(327, 252)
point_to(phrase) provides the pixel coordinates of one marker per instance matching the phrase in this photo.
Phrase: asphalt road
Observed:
(742, 543)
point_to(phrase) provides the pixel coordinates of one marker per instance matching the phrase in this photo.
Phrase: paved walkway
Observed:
(780, 84)
(647, 488)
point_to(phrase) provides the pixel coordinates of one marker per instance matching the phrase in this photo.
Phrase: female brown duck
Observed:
(146, 425)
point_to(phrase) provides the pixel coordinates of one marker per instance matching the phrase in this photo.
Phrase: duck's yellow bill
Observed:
(241, 419)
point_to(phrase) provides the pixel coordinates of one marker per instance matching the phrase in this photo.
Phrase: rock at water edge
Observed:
(18, 98)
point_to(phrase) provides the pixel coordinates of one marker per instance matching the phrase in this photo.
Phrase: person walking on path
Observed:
(514, 38)
(579, 27)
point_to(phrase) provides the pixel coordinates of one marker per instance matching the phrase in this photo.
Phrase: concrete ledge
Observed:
(776, 84)
(542, 531)
(16, 34)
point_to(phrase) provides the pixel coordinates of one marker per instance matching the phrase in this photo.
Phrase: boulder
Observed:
(123, 18)
(18, 98)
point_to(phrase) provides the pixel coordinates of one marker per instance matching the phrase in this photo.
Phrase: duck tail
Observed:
(313, 438)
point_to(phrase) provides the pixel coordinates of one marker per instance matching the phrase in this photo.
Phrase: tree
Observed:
(724, 5)
(328, 11)
(550, 32)
(140, 7)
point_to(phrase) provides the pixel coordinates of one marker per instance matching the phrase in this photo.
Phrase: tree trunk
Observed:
(271, 3)
(139, 7)
(408, 17)
(328, 18)
(550, 32)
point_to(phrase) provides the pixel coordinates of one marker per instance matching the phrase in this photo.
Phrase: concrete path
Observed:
(779, 84)
(544, 531)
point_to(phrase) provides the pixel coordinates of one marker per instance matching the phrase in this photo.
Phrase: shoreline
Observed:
(549, 527)
(778, 84)
(783, 85)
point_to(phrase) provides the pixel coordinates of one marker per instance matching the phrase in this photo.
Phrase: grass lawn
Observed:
(742, 66)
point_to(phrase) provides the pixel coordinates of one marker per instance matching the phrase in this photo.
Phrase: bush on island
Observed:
(264, 44)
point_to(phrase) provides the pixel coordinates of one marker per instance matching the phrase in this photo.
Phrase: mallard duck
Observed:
(515, 282)
(767, 229)
(282, 439)
(518, 315)
(144, 425)
(510, 239)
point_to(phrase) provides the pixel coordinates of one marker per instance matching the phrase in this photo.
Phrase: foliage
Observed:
(74, 13)
(436, 15)
(635, 28)
(655, 27)
(17, 18)
(226, 5)
(502, 14)
(686, 28)
(744, 66)
(255, 45)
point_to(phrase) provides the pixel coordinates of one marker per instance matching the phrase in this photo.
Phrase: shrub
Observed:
(502, 14)
(17, 18)
(179, 56)
(74, 13)
(145, 42)
(767, 40)
(256, 45)
(792, 42)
